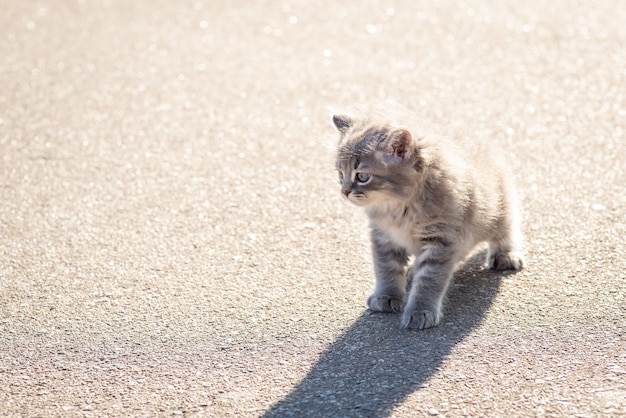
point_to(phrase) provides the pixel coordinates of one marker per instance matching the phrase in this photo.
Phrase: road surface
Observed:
(173, 240)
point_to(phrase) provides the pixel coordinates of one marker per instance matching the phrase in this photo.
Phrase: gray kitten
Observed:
(431, 197)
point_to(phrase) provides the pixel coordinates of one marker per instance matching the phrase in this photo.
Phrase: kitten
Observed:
(430, 197)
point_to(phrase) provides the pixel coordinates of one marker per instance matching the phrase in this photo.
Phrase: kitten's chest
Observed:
(402, 233)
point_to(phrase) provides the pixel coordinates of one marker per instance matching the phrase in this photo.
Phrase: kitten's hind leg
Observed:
(502, 259)
(389, 265)
(430, 275)
(503, 252)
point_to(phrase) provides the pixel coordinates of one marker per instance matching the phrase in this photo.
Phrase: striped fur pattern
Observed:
(428, 198)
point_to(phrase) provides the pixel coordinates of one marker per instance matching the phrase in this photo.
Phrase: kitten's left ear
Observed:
(342, 123)
(398, 147)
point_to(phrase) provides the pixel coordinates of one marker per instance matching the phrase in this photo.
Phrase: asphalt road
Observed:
(173, 240)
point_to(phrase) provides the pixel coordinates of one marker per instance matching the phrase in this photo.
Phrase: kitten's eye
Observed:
(363, 177)
(340, 176)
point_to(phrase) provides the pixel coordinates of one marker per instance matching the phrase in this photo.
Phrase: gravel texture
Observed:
(173, 241)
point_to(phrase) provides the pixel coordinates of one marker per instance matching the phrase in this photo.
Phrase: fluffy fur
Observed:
(427, 196)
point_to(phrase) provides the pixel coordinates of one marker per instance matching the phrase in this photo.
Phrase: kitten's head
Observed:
(377, 163)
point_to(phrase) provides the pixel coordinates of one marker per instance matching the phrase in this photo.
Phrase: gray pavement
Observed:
(173, 242)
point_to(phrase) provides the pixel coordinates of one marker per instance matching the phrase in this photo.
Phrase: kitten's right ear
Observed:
(398, 147)
(342, 123)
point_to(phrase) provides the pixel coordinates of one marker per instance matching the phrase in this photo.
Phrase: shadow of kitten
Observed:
(375, 364)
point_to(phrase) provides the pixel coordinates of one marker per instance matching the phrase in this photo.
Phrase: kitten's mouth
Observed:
(357, 199)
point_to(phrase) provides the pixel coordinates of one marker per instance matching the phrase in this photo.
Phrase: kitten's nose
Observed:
(345, 192)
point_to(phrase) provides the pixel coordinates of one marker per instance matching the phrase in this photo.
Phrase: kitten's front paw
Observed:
(505, 261)
(385, 303)
(420, 319)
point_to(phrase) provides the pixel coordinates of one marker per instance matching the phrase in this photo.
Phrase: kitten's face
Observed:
(356, 179)
(372, 163)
